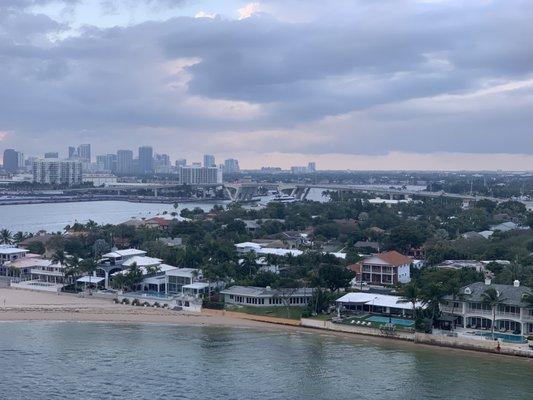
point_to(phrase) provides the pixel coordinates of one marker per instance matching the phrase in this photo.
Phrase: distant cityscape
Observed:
(80, 166)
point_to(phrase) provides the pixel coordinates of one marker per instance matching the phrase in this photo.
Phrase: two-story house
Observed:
(514, 316)
(388, 268)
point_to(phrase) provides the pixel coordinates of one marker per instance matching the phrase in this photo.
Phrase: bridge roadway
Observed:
(248, 189)
(395, 192)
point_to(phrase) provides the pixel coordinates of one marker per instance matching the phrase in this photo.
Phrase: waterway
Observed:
(53, 217)
(65, 360)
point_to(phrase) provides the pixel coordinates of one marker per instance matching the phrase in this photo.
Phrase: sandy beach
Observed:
(25, 305)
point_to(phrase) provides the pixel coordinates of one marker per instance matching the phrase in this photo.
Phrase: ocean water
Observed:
(69, 360)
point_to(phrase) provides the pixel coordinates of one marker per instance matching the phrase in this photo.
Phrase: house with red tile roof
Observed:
(388, 268)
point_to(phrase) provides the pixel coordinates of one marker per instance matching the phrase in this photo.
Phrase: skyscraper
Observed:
(51, 154)
(72, 152)
(181, 162)
(146, 160)
(311, 167)
(209, 160)
(231, 166)
(11, 160)
(84, 152)
(124, 162)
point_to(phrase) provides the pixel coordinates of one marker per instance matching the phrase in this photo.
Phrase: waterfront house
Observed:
(266, 296)
(375, 303)
(388, 268)
(118, 257)
(468, 311)
(21, 267)
(11, 253)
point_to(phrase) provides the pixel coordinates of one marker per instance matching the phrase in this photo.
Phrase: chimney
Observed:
(516, 283)
(488, 281)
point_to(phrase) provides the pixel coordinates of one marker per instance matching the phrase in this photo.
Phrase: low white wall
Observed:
(491, 346)
(360, 330)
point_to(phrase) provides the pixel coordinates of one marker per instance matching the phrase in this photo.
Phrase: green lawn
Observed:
(279, 312)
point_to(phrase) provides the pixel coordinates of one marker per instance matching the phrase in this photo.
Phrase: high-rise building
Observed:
(209, 160)
(110, 163)
(146, 160)
(311, 167)
(162, 163)
(298, 170)
(124, 162)
(84, 152)
(194, 175)
(51, 154)
(11, 160)
(231, 166)
(57, 172)
(20, 160)
(72, 152)
(181, 162)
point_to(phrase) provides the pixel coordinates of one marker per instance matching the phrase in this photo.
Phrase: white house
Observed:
(11, 253)
(266, 296)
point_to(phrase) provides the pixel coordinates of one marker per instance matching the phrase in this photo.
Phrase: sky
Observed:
(349, 84)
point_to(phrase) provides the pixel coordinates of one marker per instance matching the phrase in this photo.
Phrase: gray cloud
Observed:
(356, 77)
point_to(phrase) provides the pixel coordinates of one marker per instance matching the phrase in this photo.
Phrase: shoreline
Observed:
(33, 306)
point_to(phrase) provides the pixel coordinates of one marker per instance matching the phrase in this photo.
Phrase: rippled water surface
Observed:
(54, 217)
(66, 360)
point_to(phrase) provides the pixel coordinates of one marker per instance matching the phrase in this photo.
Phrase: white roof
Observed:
(142, 261)
(166, 268)
(90, 279)
(125, 253)
(378, 300)
(12, 250)
(279, 252)
(248, 244)
(196, 285)
(185, 272)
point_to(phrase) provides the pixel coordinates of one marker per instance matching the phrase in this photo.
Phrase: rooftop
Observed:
(513, 295)
(378, 300)
(142, 261)
(124, 253)
(266, 291)
(8, 249)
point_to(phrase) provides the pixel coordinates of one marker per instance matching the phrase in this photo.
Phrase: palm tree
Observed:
(492, 298)
(59, 257)
(411, 293)
(455, 291)
(6, 237)
(250, 262)
(72, 268)
(434, 296)
(19, 237)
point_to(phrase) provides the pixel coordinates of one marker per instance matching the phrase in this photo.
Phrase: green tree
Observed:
(411, 293)
(335, 277)
(6, 237)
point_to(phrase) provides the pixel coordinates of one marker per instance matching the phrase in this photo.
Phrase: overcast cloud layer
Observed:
(274, 82)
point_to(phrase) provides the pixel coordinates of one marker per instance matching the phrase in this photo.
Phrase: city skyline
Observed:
(350, 84)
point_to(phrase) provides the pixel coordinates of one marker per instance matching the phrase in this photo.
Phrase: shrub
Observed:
(125, 301)
(135, 302)
(157, 305)
(145, 304)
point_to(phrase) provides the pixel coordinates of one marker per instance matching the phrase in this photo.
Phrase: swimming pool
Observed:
(385, 320)
(506, 337)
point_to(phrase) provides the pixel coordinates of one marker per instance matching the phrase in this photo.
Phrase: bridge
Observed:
(247, 191)
(390, 192)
